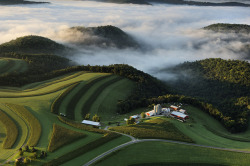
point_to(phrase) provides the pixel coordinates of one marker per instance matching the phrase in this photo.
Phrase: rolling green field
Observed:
(152, 153)
(11, 65)
(35, 101)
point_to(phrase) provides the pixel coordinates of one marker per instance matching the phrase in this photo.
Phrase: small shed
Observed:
(150, 113)
(174, 107)
(92, 123)
(135, 116)
(183, 111)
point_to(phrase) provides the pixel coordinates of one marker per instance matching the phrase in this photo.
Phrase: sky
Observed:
(169, 34)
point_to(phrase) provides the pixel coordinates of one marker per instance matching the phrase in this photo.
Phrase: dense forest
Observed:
(223, 83)
(104, 36)
(32, 45)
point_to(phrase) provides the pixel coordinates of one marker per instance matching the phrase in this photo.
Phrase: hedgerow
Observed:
(62, 136)
(155, 128)
(81, 126)
(11, 130)
(81, 150)
(31, 120)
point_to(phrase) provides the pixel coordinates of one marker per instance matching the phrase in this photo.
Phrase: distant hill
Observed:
(17, 2)
(226, 28)
(177, 2)
(32, 45)
(223, 83)
(104, 36)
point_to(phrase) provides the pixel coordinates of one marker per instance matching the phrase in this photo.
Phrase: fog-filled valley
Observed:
(167, 34)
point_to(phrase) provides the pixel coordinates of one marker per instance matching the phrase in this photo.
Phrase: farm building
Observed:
(150, 113)
(166, 110)
(174, 107)
(157, 109)
(135, 116)
(92, 123)
(179, 115)
(183, 111)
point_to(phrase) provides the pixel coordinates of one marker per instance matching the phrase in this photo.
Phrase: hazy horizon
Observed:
(170, 33)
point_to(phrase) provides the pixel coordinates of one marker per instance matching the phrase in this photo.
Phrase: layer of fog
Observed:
(171, 34)
(220, 1)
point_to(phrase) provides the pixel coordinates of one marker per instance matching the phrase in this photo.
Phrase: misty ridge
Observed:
(156, 40)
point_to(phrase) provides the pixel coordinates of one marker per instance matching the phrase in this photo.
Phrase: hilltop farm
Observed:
(73, 118)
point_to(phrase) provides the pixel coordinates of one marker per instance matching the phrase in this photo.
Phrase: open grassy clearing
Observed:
(105, 105)
(157, 128)
(196, 129)
(150, 152)
(11, 130)
(11, 65)
(82, 159)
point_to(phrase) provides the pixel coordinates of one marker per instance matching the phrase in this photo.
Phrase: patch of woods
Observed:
(225, 84)
(11, 130)
(27, 154)
(62, 136)
(83, 149)
(155, 129)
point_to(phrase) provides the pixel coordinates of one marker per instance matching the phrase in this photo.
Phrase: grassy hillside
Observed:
(37, 99)
(160, 153)
(223, 83)
(226, 28)
(32, 45)
(153, 128)
(104, 36)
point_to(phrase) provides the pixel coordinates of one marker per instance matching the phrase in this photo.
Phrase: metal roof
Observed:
(88, 122)
(178, 114)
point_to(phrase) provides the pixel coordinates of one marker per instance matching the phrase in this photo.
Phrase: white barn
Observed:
(92, 123)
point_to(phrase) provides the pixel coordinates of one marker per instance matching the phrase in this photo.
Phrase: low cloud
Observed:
(169, 34)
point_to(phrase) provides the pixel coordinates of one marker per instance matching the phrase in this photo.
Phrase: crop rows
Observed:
(11, 130)
(56, 104)
(82, 150)
(34, 124)
(62, 136)
(70, 110)
(87, 105)
(42, 93)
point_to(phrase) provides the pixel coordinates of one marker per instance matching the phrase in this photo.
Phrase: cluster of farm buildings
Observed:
(172, 111)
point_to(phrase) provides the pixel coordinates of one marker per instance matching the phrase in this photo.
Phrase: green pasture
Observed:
(196, 129)
(161, 152)
(105, 104)
(37, 99)
(98, 151)
(11, 65)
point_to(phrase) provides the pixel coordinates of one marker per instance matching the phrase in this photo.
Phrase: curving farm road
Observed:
(134, 140)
